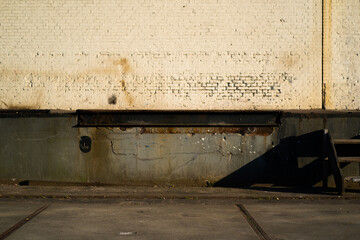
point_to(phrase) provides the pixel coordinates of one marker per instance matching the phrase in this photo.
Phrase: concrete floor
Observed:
(181, 219)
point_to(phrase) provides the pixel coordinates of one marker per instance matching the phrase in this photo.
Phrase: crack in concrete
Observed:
(41, 139)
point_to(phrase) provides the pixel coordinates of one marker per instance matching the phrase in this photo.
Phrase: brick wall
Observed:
(342, 79)
(158, 54)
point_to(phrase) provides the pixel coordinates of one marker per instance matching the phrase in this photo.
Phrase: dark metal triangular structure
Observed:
(349, 153)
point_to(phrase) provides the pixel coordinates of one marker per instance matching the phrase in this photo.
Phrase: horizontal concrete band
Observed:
(50, 148)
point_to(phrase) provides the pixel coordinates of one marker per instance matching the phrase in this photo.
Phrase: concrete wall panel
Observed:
(47, 149)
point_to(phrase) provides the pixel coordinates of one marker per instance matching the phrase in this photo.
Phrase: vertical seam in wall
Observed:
(326, 52)
(322, 57)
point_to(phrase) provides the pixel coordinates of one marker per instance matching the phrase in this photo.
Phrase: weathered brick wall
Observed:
(158, 54)
(342, 63)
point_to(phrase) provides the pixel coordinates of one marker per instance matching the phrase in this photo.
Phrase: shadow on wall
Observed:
(281, 166)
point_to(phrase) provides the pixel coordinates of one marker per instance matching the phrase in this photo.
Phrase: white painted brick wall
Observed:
(160, 54)
(343, 80)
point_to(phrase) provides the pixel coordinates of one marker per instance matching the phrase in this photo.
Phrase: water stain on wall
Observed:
(34, 82)
(124, 64)
(290, 60)
(109, 67)
(20, 106)
(37, 98)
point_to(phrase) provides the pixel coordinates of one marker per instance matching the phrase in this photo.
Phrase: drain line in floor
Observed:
(254, 225)
(22, 222)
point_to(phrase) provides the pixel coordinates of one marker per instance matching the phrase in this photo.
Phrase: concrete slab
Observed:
(137, 220)
(12, 212)
(181, 218)
(307, 219)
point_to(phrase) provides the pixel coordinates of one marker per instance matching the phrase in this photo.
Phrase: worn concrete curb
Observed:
(194, 193)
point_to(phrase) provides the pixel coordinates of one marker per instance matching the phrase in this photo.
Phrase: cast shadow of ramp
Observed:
(280, 165)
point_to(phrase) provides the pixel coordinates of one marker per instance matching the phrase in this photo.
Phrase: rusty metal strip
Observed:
(22, 222)
(248, 131)
(254, 225)
(87, 118)
(29, 113)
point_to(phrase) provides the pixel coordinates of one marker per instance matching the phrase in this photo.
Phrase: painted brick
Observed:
(342, 81)
(157, 54)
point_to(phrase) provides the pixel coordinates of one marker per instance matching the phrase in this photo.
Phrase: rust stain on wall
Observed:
(110, 67)
(33, 83)
(98, 160)
(123, 85)
(124, 63)
(21, 106)
(106, 70)
(128, 97)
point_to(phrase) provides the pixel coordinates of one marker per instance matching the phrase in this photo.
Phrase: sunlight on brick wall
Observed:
(157, 54)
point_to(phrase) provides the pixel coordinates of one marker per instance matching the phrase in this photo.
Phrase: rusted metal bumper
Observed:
(177, 118)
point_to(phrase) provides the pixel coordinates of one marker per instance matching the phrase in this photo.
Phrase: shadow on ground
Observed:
(280, 167)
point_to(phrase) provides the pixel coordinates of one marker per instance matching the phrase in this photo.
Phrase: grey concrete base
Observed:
(11, 213)
(136, 221)
(183, 219)
(308, 219)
